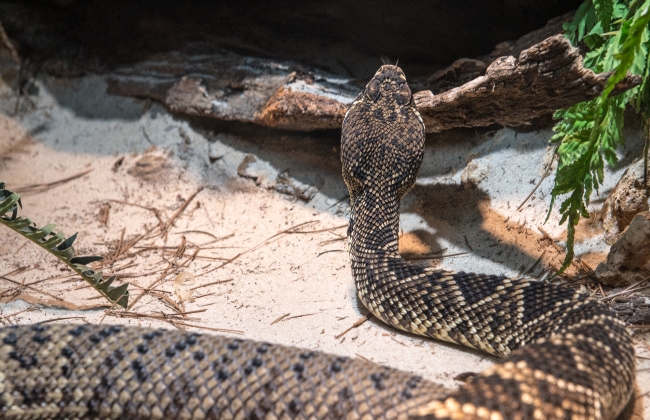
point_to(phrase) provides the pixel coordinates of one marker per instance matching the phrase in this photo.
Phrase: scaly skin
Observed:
(565, 355)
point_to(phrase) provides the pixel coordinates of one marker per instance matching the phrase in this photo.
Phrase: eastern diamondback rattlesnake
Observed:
(565, 355)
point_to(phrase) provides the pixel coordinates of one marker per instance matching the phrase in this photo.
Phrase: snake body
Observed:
(564, 355)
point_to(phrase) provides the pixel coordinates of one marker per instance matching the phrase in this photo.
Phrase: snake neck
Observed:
(374, 226)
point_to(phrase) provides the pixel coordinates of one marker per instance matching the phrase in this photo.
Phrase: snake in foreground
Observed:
(565, 356)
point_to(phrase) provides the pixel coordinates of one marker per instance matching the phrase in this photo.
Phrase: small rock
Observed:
(183, 285)
(149, 168)
(243, 166)
(628, 260)
(626, 200)
(259, 171)
(474, 173)
(632, 309)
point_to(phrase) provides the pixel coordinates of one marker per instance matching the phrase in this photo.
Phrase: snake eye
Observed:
(404, 94)
(372, 89)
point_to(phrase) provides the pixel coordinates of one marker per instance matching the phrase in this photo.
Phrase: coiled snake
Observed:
(565, 355)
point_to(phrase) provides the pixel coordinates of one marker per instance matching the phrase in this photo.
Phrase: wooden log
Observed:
(545, 77)
(514, 90)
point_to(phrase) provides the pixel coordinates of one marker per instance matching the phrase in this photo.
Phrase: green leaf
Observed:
(47, 239)
(37, 234)
(619, 12)
(67, 243)
(641, 56)
(643, 99)
(604, 10)
(582, 22)
(594, 41)
(10, 200)
(617, 34)
(54, 240)
(630, 41)
(594, 58)
(85, 260)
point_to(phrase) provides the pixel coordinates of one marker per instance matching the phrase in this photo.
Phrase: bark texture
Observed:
(545, 77)
(514, 91)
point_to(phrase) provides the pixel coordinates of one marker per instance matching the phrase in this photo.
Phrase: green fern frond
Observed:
(56, 244)
(617, 34)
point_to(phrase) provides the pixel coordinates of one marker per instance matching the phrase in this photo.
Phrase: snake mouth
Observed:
(391, 71)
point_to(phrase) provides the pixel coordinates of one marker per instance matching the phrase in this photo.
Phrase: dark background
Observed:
(346, 37)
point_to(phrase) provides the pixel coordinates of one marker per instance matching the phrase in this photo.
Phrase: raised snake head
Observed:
(382, 141)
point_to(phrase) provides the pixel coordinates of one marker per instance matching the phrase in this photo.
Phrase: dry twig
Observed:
(355, 325)
(47, 186)
(210, 284)
(169, 223)
(160, 278)
(280, 318)
(171, 318)
(549, 168)
(264, 242)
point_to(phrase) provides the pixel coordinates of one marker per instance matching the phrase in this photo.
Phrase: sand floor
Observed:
(268, 265)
